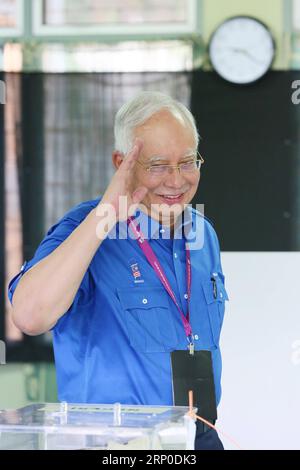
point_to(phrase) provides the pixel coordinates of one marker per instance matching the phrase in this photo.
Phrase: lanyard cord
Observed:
(152, 258)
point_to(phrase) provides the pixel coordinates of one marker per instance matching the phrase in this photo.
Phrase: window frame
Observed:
(19, 29)
(162, 30)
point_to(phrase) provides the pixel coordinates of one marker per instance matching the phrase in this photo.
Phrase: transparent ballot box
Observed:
(107, 427)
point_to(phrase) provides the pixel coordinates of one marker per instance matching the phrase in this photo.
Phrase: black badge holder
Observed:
(194, 372)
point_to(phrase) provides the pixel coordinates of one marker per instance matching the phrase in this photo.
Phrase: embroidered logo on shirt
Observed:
(136, 271)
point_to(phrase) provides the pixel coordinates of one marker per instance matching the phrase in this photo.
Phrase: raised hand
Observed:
(121, 193)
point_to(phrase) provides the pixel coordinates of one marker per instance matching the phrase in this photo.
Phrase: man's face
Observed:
(166, 141)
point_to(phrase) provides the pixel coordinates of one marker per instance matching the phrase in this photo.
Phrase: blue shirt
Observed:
(114, 342)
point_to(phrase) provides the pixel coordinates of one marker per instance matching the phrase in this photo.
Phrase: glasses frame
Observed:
(148, 168)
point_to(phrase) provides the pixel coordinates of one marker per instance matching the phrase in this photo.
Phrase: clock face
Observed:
(241, 49)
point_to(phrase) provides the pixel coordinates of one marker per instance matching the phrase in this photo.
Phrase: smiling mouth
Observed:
(171, 198)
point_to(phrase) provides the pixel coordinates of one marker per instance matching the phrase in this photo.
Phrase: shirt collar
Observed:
(184, 224)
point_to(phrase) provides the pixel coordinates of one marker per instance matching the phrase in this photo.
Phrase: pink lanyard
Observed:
(151, 257)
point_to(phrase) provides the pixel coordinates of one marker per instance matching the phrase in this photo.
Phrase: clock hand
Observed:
(246, 53)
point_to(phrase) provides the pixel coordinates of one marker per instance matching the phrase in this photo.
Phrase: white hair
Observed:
(139, 109)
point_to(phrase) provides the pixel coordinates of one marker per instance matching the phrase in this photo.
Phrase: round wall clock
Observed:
(241, 49)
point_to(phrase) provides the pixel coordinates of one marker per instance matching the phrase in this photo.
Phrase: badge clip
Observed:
(191, 345)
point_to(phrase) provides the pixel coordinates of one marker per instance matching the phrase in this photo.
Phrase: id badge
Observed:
(194, 372)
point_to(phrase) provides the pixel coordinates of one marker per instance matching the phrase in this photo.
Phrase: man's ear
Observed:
(117, 158)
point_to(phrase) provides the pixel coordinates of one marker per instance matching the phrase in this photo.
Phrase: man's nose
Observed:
(174, 178)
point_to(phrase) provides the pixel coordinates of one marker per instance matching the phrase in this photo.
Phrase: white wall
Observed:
(260, 344)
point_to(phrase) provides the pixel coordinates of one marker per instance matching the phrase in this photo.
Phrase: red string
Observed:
(193, 415)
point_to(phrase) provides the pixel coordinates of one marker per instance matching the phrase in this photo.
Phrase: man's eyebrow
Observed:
(156, 159)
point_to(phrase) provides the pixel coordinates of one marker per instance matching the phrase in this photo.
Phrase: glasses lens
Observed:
(158, 169)
(188, 166)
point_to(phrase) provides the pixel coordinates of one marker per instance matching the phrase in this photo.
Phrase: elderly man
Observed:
(136, 318)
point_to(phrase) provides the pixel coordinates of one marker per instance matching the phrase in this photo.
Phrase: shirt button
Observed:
(162, 230)
(215, 274)
(175, 255)
(221, 295)
(145, 301)
(196, 337)
(185, 296)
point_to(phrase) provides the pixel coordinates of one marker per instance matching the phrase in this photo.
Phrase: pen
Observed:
(214, 287)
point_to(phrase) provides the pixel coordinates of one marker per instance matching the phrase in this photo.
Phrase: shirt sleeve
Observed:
(54, 237)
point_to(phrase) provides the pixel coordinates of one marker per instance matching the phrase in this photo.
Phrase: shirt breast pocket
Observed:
(148, 318)
(215, 295)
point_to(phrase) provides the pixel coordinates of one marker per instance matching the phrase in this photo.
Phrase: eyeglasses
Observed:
(184, 167)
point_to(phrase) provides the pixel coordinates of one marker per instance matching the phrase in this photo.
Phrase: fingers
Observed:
(131, 157)
(139, 194)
